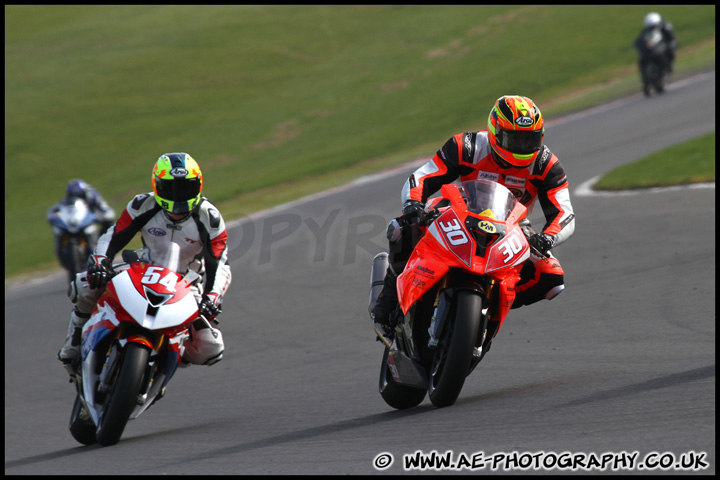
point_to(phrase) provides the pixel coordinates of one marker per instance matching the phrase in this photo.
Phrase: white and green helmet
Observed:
(177, 182)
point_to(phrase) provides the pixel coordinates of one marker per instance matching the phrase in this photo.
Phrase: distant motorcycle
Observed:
(454, 293)
(655, 72)
(131, 347)
(75, 228)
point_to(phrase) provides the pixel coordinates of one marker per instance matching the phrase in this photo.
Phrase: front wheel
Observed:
(79, 260)
(395, 394)
(123, 395)
(655, 76)
(453, 355)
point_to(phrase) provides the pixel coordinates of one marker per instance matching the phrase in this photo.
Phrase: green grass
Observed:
(300, 96)
(689, 162)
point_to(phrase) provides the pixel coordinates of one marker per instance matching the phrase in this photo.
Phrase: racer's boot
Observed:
(70, 350)
(386, 303)
(159, 396)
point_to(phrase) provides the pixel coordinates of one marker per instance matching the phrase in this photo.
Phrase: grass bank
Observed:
(306, 97)
(689, 162)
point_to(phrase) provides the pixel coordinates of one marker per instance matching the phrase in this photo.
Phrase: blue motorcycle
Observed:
(76, 233)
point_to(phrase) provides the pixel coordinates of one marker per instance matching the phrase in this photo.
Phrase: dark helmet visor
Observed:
(179, 189)
(520, 141)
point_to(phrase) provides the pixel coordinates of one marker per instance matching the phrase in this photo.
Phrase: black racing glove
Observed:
(414, 212)
(99, 272)
(542, 242)
(208, 307)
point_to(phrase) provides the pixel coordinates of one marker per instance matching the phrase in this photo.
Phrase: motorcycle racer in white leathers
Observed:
(174, 212)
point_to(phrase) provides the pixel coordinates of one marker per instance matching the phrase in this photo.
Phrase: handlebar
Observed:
(429, 215)
(529, 232)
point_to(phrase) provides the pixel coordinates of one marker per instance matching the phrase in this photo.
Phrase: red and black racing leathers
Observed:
(467, 156)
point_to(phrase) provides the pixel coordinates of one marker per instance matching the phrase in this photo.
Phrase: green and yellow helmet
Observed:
(177, 182)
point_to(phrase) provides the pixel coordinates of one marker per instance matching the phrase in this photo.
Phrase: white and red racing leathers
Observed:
(201, 236)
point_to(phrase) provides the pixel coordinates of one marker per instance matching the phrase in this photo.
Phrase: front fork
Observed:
(443, 302)
(108, 372)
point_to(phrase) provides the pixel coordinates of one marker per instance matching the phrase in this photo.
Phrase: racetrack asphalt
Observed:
(622, 363)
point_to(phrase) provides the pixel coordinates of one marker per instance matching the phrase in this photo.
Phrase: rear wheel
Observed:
(122, 398)
(453, 355)
(395, 394)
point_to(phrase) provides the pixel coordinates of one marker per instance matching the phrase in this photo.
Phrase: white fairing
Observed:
(104, 312)
(167, 315)
(73, 215)
(73, 218)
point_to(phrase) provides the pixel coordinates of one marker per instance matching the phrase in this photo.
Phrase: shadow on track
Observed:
(395, 415)
(44, 457)
(660, 382)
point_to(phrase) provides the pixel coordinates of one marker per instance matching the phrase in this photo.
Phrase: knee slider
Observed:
(554, 285)
(554, 292)
(204, 345)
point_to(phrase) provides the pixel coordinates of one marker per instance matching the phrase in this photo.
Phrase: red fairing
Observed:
(480, 241)
(455, 237)
(508, 252)
(130, 293)
(158, 279)
(506, 294)
(428, 264)
(110, 299)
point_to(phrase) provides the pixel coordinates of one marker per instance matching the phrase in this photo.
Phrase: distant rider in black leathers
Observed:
(656, 42)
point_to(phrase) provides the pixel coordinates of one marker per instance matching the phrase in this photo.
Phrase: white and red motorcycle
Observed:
(131, 346)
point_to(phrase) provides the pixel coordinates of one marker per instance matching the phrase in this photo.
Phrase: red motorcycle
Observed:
(454, 293)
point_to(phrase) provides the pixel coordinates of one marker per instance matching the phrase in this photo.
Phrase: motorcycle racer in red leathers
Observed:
(511, 152)
(174, 212)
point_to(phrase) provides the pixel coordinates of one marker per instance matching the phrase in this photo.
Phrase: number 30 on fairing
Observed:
(454, 232)
(510, 248)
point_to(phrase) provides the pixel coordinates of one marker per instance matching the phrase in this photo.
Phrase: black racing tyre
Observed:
(78, 257)
(122, 397)
(660, 85)
(453, 355)
(395, 394)
(81, 426)
(656, 77)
